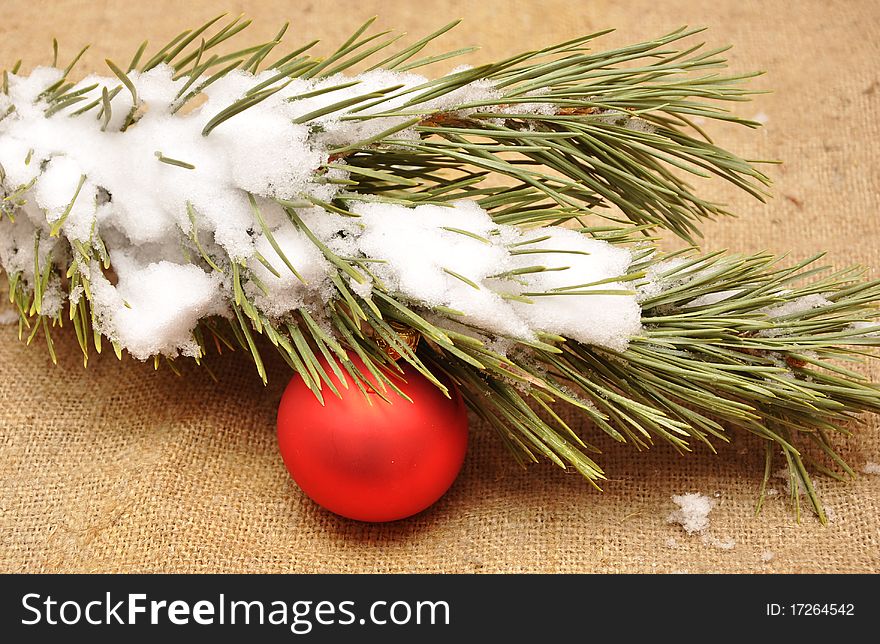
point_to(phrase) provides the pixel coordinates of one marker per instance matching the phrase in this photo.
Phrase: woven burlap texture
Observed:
(120, 468)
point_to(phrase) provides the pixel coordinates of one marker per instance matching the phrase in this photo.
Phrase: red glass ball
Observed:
(367, 459)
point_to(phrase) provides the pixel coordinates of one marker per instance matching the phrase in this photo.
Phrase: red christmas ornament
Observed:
(366, 459)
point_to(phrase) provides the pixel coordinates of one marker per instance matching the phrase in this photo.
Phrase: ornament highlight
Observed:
(368, 459)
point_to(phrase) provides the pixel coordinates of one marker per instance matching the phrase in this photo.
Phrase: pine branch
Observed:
(598, 141)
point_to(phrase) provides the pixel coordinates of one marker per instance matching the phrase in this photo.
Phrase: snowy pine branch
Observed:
(497, 215)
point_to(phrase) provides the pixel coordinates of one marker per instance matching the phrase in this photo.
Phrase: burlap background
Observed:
(119, 468)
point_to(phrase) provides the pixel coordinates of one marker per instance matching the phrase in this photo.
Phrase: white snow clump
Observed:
(87, 188)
